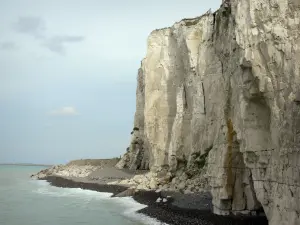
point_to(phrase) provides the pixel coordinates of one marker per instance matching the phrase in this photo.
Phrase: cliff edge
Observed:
(218, 98)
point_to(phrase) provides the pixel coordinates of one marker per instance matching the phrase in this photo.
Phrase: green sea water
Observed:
(24, 201)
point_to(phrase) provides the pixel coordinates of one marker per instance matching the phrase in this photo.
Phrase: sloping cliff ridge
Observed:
(76, 168)
(219, 96)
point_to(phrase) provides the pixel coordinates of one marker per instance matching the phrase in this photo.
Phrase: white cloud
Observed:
(64, 111)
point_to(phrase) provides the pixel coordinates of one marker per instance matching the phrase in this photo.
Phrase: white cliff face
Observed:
(222, 92)
(268, 130)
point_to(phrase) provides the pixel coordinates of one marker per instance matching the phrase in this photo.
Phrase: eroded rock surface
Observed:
(220, 95)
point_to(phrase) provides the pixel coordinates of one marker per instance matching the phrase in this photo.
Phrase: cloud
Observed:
(64, 111)
(8, 45)
(34, 26)
(57, 43)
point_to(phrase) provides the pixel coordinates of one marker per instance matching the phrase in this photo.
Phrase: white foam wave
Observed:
(131, 211)
(40, 182)
(128, 203)
(144, 219)
(46, 189)
(72, 193)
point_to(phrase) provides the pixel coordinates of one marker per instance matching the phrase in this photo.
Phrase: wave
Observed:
(127, 204)
(132, 211)
(46, 189)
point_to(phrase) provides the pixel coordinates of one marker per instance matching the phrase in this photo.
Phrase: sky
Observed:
(68, 74)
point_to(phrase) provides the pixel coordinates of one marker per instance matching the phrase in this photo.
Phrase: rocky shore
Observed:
(173, 208)
(173, 205)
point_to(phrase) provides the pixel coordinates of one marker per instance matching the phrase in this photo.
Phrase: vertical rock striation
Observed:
(223, 90)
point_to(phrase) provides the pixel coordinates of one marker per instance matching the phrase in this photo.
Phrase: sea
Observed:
(24, 201)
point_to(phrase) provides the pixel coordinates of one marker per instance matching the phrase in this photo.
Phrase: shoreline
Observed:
(179, 209)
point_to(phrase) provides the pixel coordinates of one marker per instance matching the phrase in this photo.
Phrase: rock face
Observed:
(137, 155)
(222, 92)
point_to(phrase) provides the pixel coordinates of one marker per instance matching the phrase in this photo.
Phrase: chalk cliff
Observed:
(219, 95)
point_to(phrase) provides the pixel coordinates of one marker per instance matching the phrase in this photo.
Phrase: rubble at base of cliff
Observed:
(180, 182)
